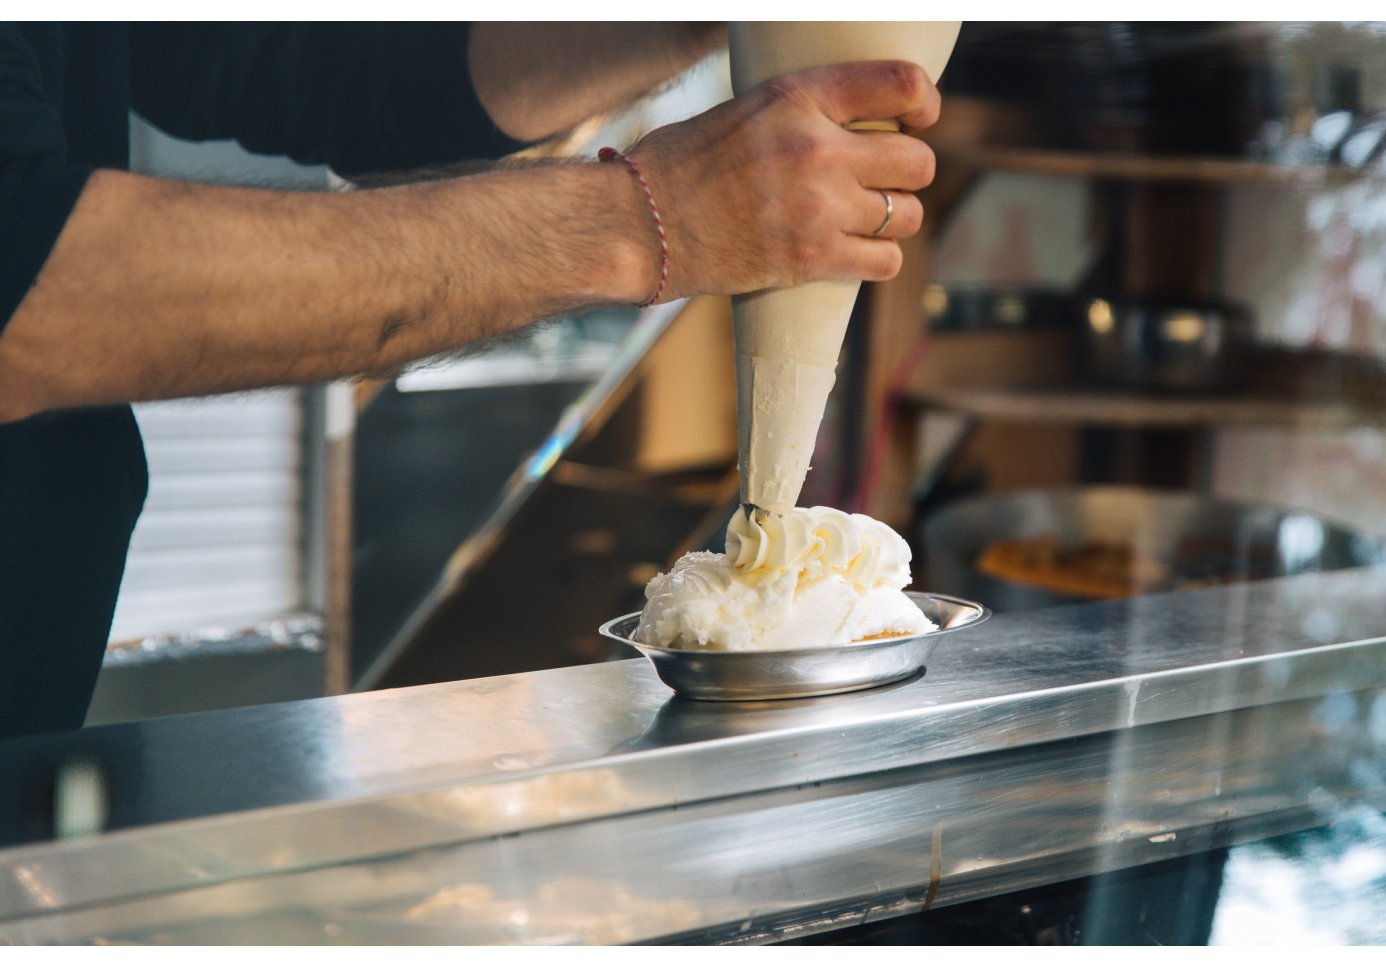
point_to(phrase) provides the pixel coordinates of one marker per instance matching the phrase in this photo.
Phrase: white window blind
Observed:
(220, 544)
(220, 541)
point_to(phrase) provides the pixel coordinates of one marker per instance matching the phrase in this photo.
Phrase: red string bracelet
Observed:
(611, 154)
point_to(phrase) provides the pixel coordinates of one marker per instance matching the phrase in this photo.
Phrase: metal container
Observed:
(969, 309)
(1166, 346)
(795, 673)
(1203, 540)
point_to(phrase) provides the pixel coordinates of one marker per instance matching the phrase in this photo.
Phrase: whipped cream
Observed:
(813, 577)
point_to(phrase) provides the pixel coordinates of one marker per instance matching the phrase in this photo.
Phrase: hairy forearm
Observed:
(524, 73)
(159, 289)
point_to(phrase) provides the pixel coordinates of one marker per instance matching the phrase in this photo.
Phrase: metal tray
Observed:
(796, 673)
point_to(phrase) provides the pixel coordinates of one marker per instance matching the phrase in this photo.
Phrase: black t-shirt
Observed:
(357, 97)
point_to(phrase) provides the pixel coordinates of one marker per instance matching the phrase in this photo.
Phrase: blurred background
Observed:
(1138, 347)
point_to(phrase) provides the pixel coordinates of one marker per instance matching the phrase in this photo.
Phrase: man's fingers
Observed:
(892, 161)
(873, 260)
(869, 212)
(773, 189)
(873, 91)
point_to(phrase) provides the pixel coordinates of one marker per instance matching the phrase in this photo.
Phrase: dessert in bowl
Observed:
(802, 604)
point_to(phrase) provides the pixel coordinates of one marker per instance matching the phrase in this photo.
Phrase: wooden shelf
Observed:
(1137, 167)
(1120, 409)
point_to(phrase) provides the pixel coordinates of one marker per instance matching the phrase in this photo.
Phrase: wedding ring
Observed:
(890, 213)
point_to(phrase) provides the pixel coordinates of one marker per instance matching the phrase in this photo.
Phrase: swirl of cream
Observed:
(745, 541)
(836, 540)
(774, 543)
(816, 542)
(884, 558)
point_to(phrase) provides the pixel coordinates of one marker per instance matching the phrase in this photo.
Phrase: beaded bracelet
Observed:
(611, 154)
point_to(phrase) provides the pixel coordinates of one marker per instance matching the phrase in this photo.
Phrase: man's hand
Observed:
(771, 190)
(159, 289)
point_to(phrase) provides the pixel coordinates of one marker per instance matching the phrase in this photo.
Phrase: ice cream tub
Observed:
(809, 671)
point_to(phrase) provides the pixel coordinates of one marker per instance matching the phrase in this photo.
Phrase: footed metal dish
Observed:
(796, 673)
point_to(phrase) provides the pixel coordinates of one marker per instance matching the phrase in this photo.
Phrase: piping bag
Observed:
(788, 340)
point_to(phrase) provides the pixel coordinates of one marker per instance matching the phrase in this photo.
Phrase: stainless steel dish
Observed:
(796, 673)
(1203, 540)
(1174, 346)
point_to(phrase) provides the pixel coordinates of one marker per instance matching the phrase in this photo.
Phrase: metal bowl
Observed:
(796, 673)
(1202, 539)
(1173, 346)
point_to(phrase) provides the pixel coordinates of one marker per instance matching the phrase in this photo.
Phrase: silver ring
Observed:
(890, 213)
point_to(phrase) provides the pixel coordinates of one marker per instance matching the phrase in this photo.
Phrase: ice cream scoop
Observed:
(813, 577)
(788, 340)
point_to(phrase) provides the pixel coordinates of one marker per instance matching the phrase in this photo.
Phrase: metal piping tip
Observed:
(755, 512)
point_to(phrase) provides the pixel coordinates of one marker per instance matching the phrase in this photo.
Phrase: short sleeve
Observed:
(357, 97)
(38, 187)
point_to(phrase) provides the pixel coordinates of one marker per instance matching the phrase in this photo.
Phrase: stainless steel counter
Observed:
(586, 804)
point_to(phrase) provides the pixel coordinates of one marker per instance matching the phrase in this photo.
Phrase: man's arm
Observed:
(538, 79)
(160, 289)
(369, 98)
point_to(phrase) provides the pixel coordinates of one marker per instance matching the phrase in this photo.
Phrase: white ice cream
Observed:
(813, 577)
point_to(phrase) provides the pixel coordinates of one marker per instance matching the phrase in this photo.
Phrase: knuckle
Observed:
(804, 148)
(909, 79)
(786, 87)
(915, 168)
(931, 106)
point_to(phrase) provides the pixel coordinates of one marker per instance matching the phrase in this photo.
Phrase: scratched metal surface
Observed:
(586, 804)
